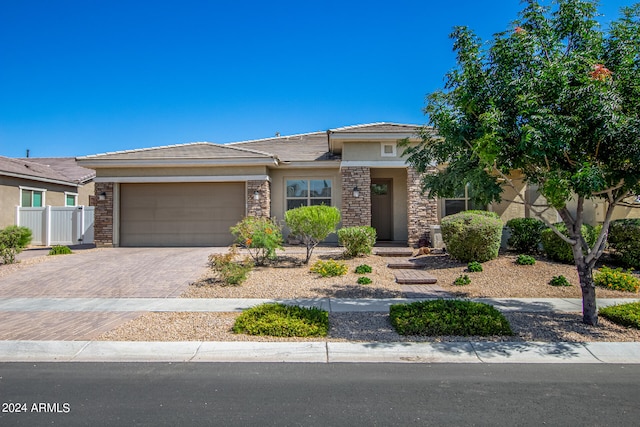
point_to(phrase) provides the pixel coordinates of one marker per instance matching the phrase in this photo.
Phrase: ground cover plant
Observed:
(280, 320)
(60, 250)
(616, 279)
(363, 269)
(474, 267)
(357, 241)
(462, 280)
(364, 280)
(329, 268)
(260, 236)
(525, 260)
(559, 281)
(623, 314)
(448, 317)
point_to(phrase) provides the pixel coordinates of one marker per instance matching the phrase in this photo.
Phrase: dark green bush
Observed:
(280, 320)
(474, 267)
(357, 241)
(364, 281)
(557, 249)
(624, 239)
(623, 314)
(448, 317)
(363, 269)
(471, 236)
(13, 240)
(525, 260)
(559, 281)
(525, 234)
(60, 250)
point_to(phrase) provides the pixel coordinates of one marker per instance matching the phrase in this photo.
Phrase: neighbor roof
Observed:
(63, 170)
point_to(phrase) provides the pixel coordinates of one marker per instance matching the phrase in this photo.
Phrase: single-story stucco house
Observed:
(190, 194)
(38, 182)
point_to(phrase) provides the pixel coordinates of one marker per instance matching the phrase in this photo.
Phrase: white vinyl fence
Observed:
(58, 225)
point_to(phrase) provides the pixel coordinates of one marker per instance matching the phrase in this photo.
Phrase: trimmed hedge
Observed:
(557, 249)
(526, 234)
(280, 320)
(357, 241)
(624, 239)
(624, 314)
(472, 235)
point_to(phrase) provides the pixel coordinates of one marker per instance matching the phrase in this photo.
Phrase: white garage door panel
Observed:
(180, 214)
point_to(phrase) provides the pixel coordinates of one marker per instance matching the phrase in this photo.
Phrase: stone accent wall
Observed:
(356, 211)
(261, 207)
(422, 212)
(103, 220)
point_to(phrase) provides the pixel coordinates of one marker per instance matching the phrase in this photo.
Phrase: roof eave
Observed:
(149, 163)
(40, 179)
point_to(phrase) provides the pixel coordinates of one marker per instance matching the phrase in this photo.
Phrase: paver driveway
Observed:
(109, 273)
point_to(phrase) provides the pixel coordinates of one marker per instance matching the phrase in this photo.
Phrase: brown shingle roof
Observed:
(61, 169)
(302, 147)
(377, 127)
(66, 166)
(195, 150)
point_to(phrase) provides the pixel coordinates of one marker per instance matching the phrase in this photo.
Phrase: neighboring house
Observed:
(40, 182)
(190, 194)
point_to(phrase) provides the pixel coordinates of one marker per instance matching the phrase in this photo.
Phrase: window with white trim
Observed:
(460, 202)
(31, 197)
(70, 199)
(308, 192)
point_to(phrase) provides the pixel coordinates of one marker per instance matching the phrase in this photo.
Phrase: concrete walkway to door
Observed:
(110, 273)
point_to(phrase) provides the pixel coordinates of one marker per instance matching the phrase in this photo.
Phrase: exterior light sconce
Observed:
(102, 196)
(256, 195)
(356, 192)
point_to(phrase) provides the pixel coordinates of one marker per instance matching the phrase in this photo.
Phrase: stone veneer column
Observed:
(103, 216)
(422, 212)
(356, 211)
(261, 207)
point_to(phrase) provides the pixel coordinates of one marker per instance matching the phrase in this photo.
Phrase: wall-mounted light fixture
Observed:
(356, 192)
(102, 196)
(256, 195)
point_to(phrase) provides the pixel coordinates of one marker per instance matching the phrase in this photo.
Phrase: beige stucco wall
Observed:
(359, 151)
(181, 171)
(399, 176)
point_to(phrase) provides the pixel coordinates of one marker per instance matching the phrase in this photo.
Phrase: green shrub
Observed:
(280, 320)
(227, 270)
(557, 249)
(363, 269)
(13, 239)
(448, 317)
(525, 234)
(624, 239)
(312, 224)
(474, 267)
(559, 281)
(357, 241)
(525, 260)
(471, 236)
(623, 314)
(462, 280)
(616, 280)
(330, 268)
(60, 250)
(364, 281)
(260, 236)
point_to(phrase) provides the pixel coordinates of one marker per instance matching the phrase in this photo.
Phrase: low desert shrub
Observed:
(364, 280)
(557, 249)
(357, 241)
(228, 270)
(559, 281)
(526, 234)
(616, 279)
(448, 317)
(13, 239)
(623, 314)
(330, 268)
(260, 236)
(624, 239)
(312, 224)
(471, 236)
(363, 269)
(280, 320)
(462, 280)
(60, 250)
(474, 267)
(525, 260)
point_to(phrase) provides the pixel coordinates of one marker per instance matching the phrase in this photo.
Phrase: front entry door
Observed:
(382, 207)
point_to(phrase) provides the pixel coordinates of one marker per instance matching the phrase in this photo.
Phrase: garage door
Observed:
(180, 214)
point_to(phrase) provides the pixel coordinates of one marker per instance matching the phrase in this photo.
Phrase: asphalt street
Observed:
(231, 394)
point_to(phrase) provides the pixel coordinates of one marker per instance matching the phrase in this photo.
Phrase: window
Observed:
(70, 199)
(461, 202)
(308, 192)
(388, 149)
(31, 197)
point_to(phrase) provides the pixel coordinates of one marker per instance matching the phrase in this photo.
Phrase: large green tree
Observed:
(555, 97)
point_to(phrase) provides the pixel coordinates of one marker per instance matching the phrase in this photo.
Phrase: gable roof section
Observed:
(312, 146)
(377, 127)
(63, 170)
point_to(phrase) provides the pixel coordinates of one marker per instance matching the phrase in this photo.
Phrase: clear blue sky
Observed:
(90, 76)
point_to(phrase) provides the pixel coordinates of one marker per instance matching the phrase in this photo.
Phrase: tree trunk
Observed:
(589, 309)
